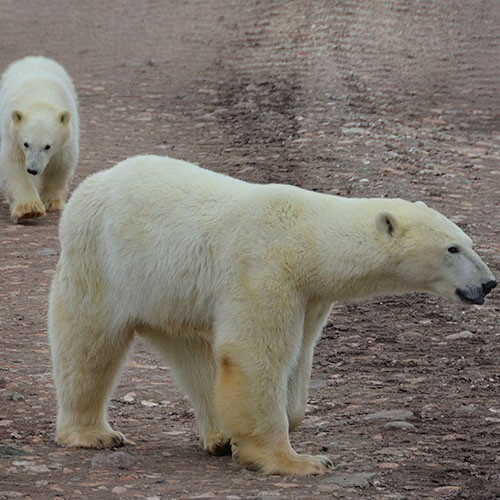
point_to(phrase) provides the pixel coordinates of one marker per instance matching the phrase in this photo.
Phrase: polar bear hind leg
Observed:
(192, 363)
(86, 361)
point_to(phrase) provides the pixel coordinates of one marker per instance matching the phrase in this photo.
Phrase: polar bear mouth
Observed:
(477, 299)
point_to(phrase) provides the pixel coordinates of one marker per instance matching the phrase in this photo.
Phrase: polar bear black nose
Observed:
(32, 172)
(487, 287)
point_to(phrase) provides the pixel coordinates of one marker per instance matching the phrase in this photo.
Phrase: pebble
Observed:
(466, 410)
(465, 334)
(114, 459)
(392, 415)
(129, 398)
(119, 490)
(357, 479)
(398, 425)
(410, 337)
(9, 451)
(45, 252)
(316, 384)
(149, 404)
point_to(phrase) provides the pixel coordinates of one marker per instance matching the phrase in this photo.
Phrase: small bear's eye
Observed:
(47, 147)
(453, 250)
(26, 145)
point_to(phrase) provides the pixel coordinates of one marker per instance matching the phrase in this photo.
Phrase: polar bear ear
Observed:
(17, 116)
(64, 117)
(386, 223)
(420, 204)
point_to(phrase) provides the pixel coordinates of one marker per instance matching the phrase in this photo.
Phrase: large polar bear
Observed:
(38, 136)
(232, 283)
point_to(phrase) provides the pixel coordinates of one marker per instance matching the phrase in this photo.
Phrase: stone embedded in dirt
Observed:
(11, 494)
(46, 252)
(15, 396)
(392, 415)
(410, 337)
(492, 420)
(447, 489)
(119, 490)
(466, 410)
(316, 384)
(398, 425)
(149, 404)
(9, 451)
(357, 479)
(113, 459)
(129, 398)
(465, 334)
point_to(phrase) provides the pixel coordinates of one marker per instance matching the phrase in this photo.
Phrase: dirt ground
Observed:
(384, 98)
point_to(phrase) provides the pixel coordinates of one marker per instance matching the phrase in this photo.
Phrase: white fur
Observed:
(38, 108)
(232, 283)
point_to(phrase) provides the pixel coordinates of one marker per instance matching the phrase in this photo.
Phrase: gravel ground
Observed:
(384, 98)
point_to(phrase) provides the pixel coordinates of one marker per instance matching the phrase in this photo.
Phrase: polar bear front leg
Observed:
(21, 193)
(55, 186)
(298, 382)
(192, 362)
(256, 346)
(86, 359)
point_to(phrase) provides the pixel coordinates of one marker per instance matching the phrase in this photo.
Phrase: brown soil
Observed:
(386, 98)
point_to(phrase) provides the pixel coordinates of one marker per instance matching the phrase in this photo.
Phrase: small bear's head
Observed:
(40, 135)
(430, 253)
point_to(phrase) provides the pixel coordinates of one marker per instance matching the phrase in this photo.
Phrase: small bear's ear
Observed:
(420, 204)
(386, 223)
(17, 116)
(64, 117)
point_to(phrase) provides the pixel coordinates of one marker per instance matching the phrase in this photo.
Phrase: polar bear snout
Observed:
(476, 295)
(32, 171)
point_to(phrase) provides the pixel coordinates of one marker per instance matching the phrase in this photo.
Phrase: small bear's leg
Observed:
(298, 382)
(55, 186)
(192, 362)
(21, 192)
(256, 348)
(86, 360)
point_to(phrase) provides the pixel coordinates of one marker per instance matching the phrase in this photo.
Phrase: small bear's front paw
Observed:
(27, 210)
(53, 204)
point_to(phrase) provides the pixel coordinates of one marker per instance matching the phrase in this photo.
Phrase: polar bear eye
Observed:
(26, 145)
(453, 250)
(47, 147)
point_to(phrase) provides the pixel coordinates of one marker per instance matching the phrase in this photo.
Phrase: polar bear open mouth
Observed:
(477, 299)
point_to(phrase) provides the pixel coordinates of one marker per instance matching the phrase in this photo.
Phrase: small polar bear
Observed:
(231, 283)
(38, 136)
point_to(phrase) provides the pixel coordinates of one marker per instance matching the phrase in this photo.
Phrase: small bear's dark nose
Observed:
(32, 172)
(487, 287)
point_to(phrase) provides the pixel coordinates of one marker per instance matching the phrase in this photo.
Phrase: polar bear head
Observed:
(430, 253)
(40, 135)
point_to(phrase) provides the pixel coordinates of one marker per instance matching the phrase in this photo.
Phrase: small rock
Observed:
(466, 410)
(392, 415)
(11, 494)
(149, 404)
(316, 384)
(129, 398)
(465, 334)
(410, 337)
(492, 420)
(45, 252)
(8, 451)
(15, 396)
(357, 479)
(447, 489)
(398, 425)
(364, 180)
(119, 490)
(114, 459)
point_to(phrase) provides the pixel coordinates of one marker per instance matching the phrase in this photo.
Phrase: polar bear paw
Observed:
(27, 210)
(53, 204)
(92, 438)
(217, 444)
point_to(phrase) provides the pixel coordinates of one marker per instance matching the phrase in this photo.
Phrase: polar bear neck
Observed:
(353, 262)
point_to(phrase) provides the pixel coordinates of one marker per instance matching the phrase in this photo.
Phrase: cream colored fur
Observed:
(38, 134)
(232, 284)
